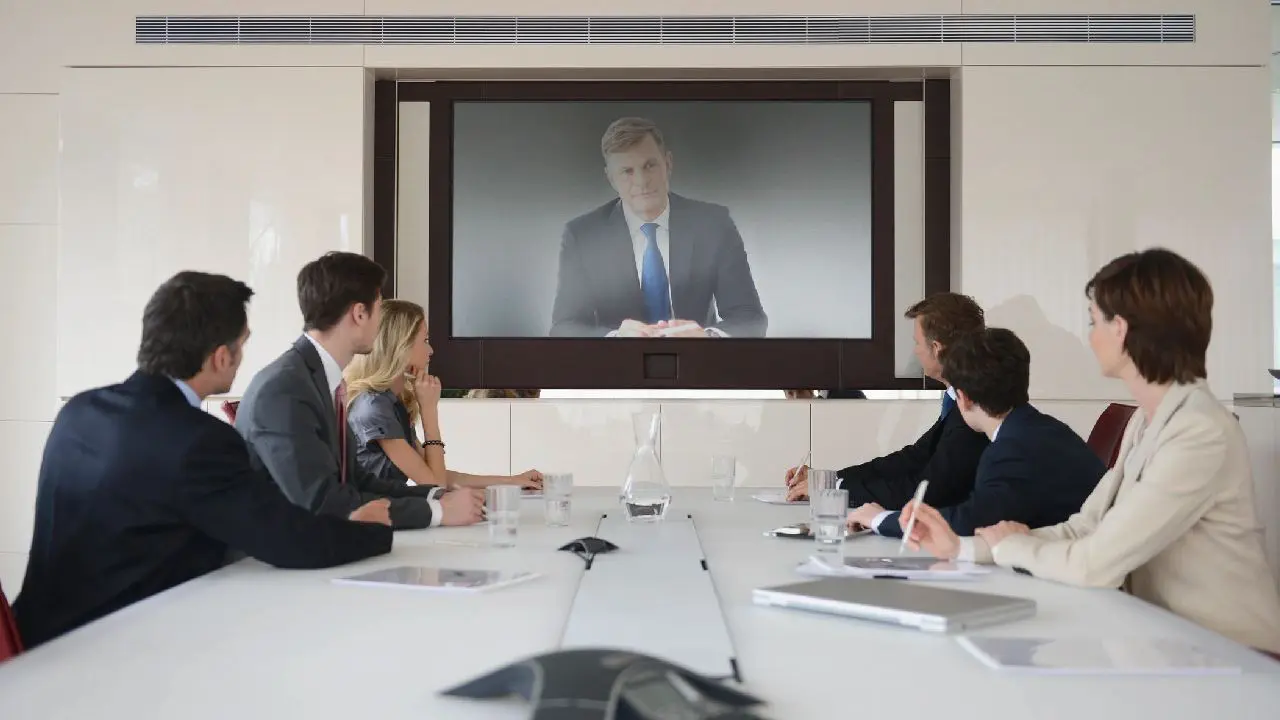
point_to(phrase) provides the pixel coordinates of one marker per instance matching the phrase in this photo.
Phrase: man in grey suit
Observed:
(614, 280)
(293, 416)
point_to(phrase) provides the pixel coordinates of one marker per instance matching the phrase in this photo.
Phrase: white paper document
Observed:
(898, 568)
(438, 579)
(1095, 656)
(777, 498)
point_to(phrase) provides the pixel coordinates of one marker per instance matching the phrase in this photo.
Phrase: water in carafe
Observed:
(645, 494)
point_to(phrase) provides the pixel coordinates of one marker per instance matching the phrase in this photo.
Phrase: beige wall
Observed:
(250, 172)
(1061, 166)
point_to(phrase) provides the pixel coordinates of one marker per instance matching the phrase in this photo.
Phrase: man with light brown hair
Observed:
(947, 454)
(652, 263)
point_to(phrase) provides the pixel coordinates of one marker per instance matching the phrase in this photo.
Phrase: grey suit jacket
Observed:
(598, 286)
(1174, 523)
(288, 420)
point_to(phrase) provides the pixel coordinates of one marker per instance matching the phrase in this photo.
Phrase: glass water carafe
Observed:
(645, 494)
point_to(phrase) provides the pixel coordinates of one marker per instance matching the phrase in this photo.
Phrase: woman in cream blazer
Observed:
(1174, 521)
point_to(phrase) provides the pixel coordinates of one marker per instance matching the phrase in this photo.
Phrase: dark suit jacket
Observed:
(598, 286)
(1037, 472)
(139, 492)
(288, 418)
(946, 455)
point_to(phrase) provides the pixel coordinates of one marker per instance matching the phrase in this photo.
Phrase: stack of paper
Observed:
(898, 568)
(1094, 656)
(778, 497)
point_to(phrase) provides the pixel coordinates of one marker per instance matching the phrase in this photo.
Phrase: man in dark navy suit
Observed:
(1037, 471)
(947, 454)
(141, 490)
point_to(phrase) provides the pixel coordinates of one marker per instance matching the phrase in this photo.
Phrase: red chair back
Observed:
(10, 643)
(1107, 432)
(229, 408)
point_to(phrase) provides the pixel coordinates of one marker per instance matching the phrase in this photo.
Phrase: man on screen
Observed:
(652, 263)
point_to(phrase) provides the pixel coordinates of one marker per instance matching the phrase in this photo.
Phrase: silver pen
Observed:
(919, 498)
(803, 461)
(799, 469)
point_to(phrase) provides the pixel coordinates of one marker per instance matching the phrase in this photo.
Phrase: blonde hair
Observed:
(488, 394)
(378, 371)
(625, 133)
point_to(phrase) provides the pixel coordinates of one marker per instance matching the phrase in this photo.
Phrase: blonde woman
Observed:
(389, 391)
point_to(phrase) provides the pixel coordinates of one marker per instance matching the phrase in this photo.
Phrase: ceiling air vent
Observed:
(665, 30)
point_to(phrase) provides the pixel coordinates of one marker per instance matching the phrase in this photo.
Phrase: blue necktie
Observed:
(947, 404)
(653, 277)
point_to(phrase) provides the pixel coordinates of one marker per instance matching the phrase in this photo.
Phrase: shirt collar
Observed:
(951, 393)
(634, 222)
(332, 373)
(187, 392)
(996, 432)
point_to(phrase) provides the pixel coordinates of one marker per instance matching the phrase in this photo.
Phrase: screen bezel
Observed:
(586, 363)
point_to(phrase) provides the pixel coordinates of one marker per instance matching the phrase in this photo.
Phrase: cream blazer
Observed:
(1173, 523)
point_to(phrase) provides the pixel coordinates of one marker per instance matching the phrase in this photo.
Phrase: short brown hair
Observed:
(1168, 304)
(946, 316)
(992, 367)
(331, 284)
(625, 133)
(188, 318)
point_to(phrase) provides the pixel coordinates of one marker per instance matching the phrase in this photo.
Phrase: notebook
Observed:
(898, 603)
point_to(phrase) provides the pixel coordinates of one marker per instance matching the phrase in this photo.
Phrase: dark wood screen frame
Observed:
(630, 363)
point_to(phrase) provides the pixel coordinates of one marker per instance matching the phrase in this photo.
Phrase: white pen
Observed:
(919, 498)
(803, 461)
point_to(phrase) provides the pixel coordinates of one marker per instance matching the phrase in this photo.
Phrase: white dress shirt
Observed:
(639, 243)
(187, 392)
(332, 371)
(333, 376)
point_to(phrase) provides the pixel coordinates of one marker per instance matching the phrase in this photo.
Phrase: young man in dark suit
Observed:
(1037, 471)
(141, 490)
(652, 263)
(947, 454)
(293, 414)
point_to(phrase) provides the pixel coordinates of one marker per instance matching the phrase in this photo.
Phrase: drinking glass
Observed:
(830, 508)
(556, 491)
(819, 480)
(502, 506)
(723, 472)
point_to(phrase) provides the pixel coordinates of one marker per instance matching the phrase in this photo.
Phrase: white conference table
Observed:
(250, 641)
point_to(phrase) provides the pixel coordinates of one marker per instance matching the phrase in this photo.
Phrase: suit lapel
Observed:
(311, 358)
(1132, 467)
(622, 255)
(680, 262)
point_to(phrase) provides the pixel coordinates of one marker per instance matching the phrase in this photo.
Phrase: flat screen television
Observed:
(656, 234)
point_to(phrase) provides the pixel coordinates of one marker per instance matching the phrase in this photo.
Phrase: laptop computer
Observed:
(898, 602)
